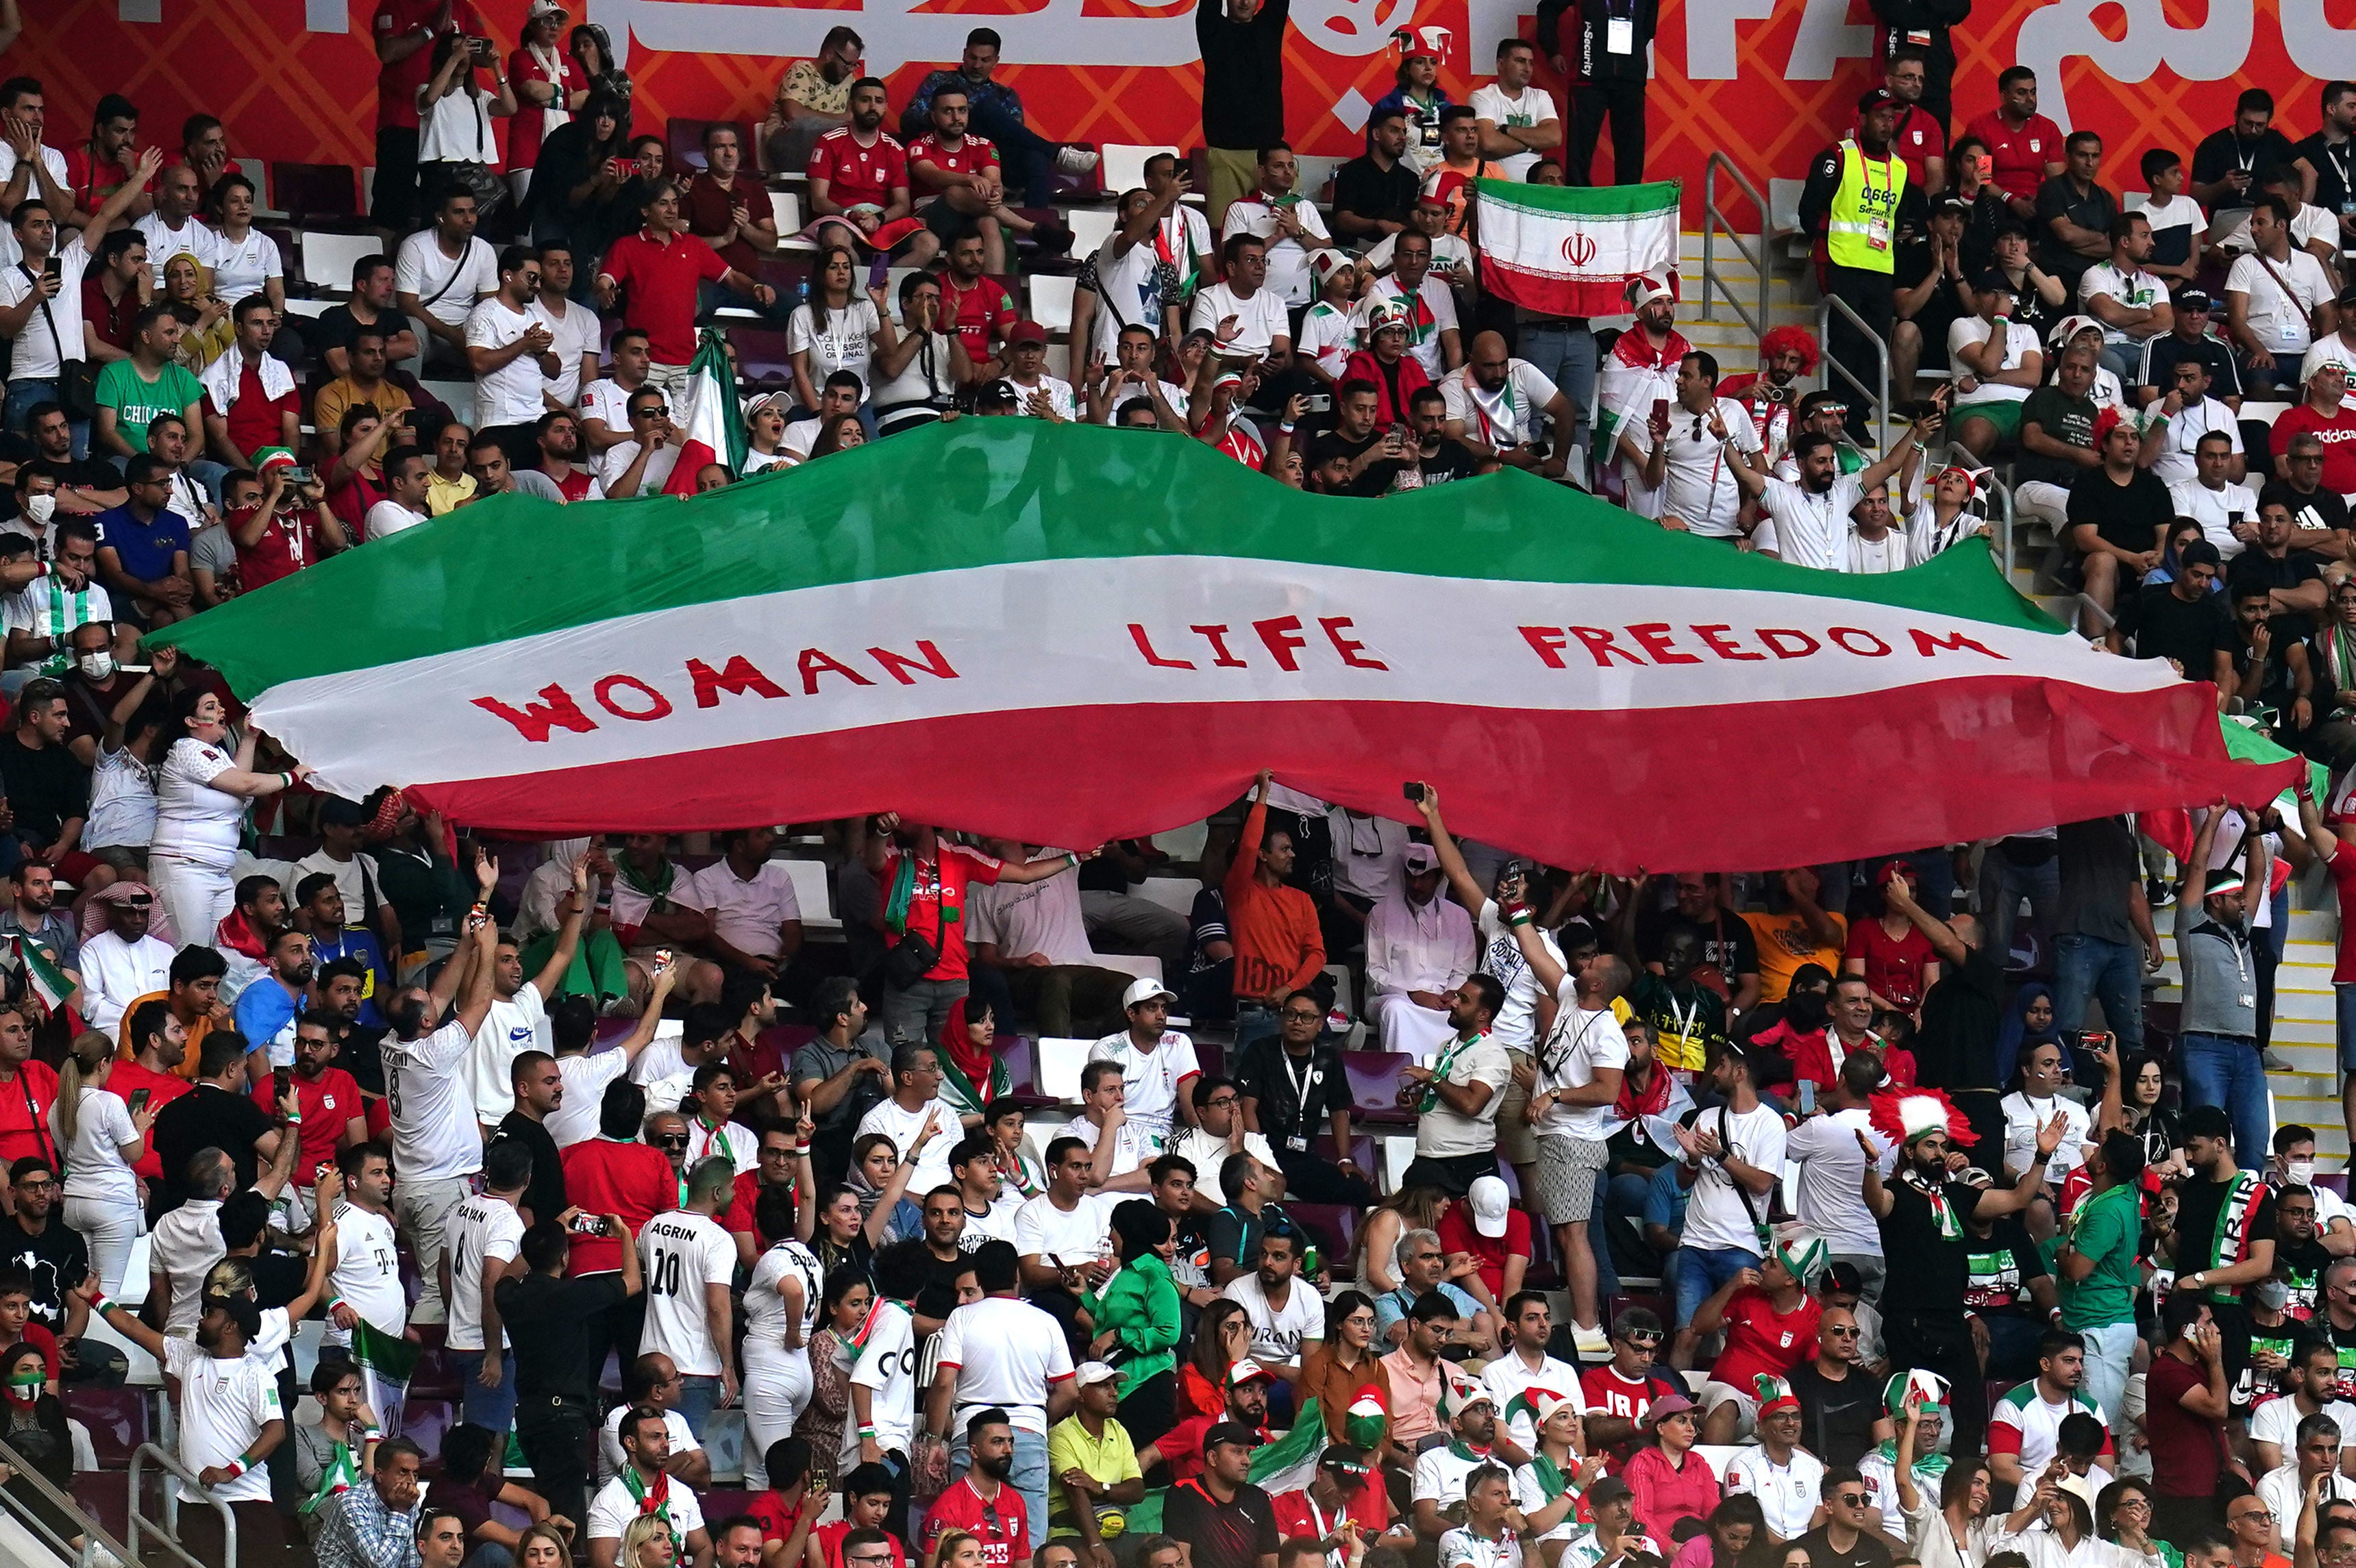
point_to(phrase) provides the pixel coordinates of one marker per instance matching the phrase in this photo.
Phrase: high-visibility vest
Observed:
(1865, 207)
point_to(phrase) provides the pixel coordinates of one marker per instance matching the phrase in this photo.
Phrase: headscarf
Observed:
(1652, 1100)
(974, 1071)
(2014, 1037)
(94, 919)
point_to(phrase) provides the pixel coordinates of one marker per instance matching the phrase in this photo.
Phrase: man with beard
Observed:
(2300, 1256)
(557, 436)
(1923, 1244)
(859, 180)
(32, 913)
(267, 1008)
(2225, 1227)
(1786, 353)
(333, 1116)
(1641, 368)
(983, 1501)
(2219, 1043)
(1494, 406)
(122, 963)
(1808, 523)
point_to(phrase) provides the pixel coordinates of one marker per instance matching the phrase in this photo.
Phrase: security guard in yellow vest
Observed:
(1851, 204)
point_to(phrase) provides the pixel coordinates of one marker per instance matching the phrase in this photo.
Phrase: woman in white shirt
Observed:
(765, 435)
(249, 262)
(836, 329)
(200, 808)
(453, 117)
(102, 1138)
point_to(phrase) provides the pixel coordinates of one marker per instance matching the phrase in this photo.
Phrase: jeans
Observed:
(1701, 1270)
(915, 1015)
(2110, 1351)
(1564, 353)
(1029, 158)
(2003, 884)
(1254, 1021)
(2110, 973)
(492, 1409)
(1617, 1199)
(2224, 1070)
(698, 1398)
(422, 1211)
(1029, 1475)
(555, 1435)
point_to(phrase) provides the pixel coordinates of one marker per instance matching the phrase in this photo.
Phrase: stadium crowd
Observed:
(511, 1204)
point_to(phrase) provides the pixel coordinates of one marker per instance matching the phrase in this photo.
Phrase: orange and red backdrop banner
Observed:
(1769, 83)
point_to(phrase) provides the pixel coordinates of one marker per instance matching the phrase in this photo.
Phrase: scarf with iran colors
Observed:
(772, 650)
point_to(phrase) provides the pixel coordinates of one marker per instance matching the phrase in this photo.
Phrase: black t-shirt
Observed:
(2057, 197)
(2301, 1266)
(361, 1053)
(2317, 508)
(937, 1298)
(1870, 1551)
(2164, 627)
(2062, 418)
(2220, 151)
(2198, 1203)
(57, 1259)
(545, 1196)
(45, 787)
(1727, 942)
(1373, 480)
(1941, 309)
(2129, 516)
(1190, 1256)
(566, 1315)
(208, 1117)
(2161, 355)
(1989, 214)
(1451, 460)
(2001, 1265)
(1836, 1418)
(2255, 569)
(1376, 195)
(1282, 1085)
(2335, 170)
(1231, 1535)
(1955, 1046)
(1926, 1272)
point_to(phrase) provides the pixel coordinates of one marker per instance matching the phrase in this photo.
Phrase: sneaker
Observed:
(1074, 160)
(1591, 1342)
(2273, 1061)
(2158, 892)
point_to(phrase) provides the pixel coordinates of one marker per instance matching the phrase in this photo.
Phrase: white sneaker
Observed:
(1074, 160)
(1589, 1341)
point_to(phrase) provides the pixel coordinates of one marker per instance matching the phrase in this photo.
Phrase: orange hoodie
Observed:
(1280, 946)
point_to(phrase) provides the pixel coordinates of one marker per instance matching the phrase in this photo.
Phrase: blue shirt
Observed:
(265, 1012)
(145, 550)
(1664, 1200)
(1394, 1305)
(355, 941)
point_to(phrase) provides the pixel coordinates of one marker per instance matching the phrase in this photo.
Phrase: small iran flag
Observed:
(715, 429)
(1571, 251)
(41, 972)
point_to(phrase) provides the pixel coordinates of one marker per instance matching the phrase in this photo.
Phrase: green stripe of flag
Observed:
(389, 1355)
(515, 566)
(1585, 201)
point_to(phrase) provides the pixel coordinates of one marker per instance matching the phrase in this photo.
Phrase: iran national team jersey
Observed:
(766, 1319)
(367, 1272)
(224, 1406)
(435, 1135)
(1001, 1525)
(1008, 1353)
(683, 1252)
(1152, 1078)
(2024, 1424)
(856, 175)
(886, 1368)
(485, 1231)
(970, 157)
(1787, 1494)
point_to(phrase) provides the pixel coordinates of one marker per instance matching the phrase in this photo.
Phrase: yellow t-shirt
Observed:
(1110, 1461)
(1786, 944)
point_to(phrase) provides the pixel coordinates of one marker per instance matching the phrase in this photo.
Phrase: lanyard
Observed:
(1301, 1084)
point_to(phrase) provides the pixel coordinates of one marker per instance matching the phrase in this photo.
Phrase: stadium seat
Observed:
(315, 192)
(328, 258)
(1051, 302)
(1122, 165)
(258, 171)
(812, 890)
(1091, 227)
(1175, 894)
(1058, 1075)
(1374, 1085)
(117, 1419)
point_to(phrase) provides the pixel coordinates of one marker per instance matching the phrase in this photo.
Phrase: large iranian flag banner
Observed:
(1065, 634)
(1571, 251)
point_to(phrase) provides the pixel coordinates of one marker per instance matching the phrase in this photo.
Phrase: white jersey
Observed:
(887, 1117)
(683, 1251)
(367, 1274)
(610, 1457)
(1280, 1334)
(585, 1075)
(1808, 528)
(484, 1232)
(1006, 1352)
(613, 1508)
(1509, 1379)
(1786, 1493)
(224, 1406)
(765, 1319)
(887, 1366)
(1150, 1080)
(436, 1134)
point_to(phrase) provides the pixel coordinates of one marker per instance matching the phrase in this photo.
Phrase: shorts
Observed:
(2002, 413)
(1567, 1170)
(947, 221)
(1715, 1393)
(1517, 1141)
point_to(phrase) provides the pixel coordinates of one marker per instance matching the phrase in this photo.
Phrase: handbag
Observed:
(77, 376)
(908, 960)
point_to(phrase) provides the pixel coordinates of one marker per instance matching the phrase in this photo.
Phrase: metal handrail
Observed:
(166, 1530)
(64, 1503)
(1879, 397)
(1711, 218)
(2003, 523)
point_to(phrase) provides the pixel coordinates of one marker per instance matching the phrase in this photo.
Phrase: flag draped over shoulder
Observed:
(1571, 250)
(811, 642)
(715, 430)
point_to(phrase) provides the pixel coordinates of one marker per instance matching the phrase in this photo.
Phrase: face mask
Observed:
(97, 666)
(41, 508)
(2299, 1173)
(2270, 1294)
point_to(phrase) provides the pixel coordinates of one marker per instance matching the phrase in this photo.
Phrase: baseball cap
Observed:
(1947, 203)
(1489, 1205)
(1024, 332)
(1609, 1489)
(1001, 390)
(1665, 1406)
(1144, 989)
(1420, 857)
(1873, 99)
(2194, 299)
(1233, 1431)
(1243, 1371)
(1088, 1372)
(540, 8)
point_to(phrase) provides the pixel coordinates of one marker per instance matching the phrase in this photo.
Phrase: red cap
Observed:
(1024, 332)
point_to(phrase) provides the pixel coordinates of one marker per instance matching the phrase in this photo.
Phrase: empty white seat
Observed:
(1123, 167)
(326, 259)
(1091, 227)
(814, 893)
(1051, 301)
(1060, 1061)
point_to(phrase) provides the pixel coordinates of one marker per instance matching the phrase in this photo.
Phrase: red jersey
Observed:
(24, 1105)
(397, 84)
(859, 175)
(1608, 1393)
(2336, 431)
(741, 1203)
(1001, 1524)
(777, 1520)
(290, 543)
(92, 182)
(1920, 138)
(941, 880)
(980, 312)
(1242, 443)
(253, 419)
(1298, 1515)
(1759, 1343)
(603, 1176)
(1893, 965)
(829, 1542)
(969, 157)
(127, 1079)
(329, 1102)
(574, 486)
(111, 319)
(530, 127)
(1457, 1234)
(2016, 159)
(661, 277)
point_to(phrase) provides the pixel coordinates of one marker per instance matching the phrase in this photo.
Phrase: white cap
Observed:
(1145, 990)
(540, 8)
(1489, 1205)
(1421, 858)
(1088, 1372)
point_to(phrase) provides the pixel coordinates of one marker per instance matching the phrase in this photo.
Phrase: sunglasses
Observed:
(1851, 1499)
(679, 1142)
(1849, 1333)
(1644, 1339)
(655, 411)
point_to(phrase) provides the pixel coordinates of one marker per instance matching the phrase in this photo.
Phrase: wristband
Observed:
(336, 1301)
(1071, 859)
(867, 1432)
(100, 1304)
(1284, 430)
(236, 1467)
(295, 1119)
(371, 1435)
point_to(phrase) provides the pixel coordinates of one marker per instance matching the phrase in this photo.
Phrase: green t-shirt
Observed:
(2065, 419)
(136, 400)
(2107, 1228)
